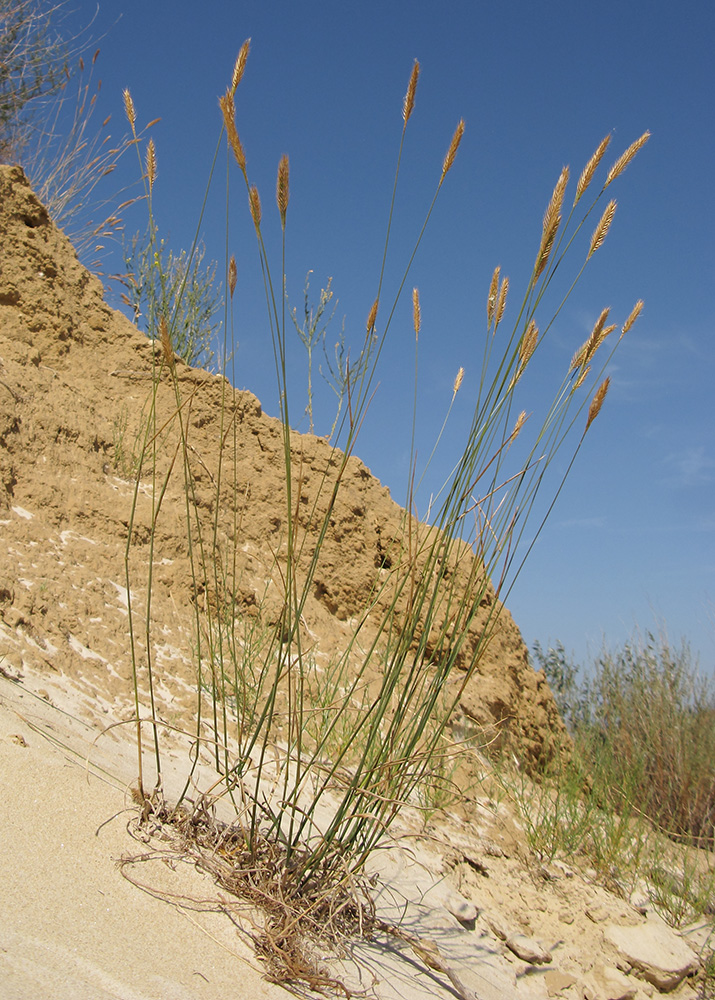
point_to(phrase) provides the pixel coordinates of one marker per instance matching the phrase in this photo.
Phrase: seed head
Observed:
(492, 299)
(255, 203)
(552, 220)
(129, 109)
(582, 377)
(501, 303)
(590, 169)
(599, 333)
(601, 230)
(520, 421)
(597, 402)
(528, 343)
(228, 110)
(458, 382)
(622, 162)
(151, 163)
(372, 317)
(416, 314)
(635, 313)
(232, 275)
(240, 65)
(282, 192)
(409, 101)
(452, 151)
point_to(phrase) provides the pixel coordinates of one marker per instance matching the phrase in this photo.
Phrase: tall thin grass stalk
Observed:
(431, 611)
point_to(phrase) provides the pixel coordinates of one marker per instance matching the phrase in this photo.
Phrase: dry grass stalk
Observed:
(232, 275)
(452, 151)
(416, 313)
(552, 221)
(151, 164)
(458, 381)
(492, 298)
(282, 188)
(255, 202)
(601, 230)
(228, 110)
(635, 313)
(409, 102)
(590, 169)
(597, 402)
(372, 317)
(240, 65)
(622, 162)
(129, 110)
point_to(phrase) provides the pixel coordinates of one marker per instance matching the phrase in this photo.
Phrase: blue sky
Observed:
(631, 540)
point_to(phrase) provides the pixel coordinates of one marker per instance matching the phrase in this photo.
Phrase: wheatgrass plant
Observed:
(338, 777)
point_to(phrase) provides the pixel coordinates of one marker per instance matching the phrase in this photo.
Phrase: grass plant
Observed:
(315, 786)
(634, 799)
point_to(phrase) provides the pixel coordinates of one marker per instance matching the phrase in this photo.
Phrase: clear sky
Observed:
(632, 538)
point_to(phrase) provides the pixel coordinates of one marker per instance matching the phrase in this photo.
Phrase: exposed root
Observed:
(308, 913)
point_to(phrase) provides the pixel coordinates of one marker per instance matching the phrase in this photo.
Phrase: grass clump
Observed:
(314, 777)
(635, 798)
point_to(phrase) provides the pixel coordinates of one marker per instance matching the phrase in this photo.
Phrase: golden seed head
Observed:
(635, 313)
(579, 357)
(372, 317)
(520, 421)
(501, 303)
(228, 110)
(551, 223)
(458, 382)
(151, 163)
(255, 202)
(282, 191)
(129, 109)
(492, 298)
(582, 377)
(166, 343)
(416, 313)
(622, 162)
(590, 169)
(528, 343)
(599, 333)
(597, 402)
(409, 101)
(601, 230)
(240, 65)
(232, 275)
(452, 151)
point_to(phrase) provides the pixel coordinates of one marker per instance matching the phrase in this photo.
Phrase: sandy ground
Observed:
(73, 928)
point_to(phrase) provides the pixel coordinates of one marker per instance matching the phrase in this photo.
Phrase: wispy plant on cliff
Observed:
(321, 799)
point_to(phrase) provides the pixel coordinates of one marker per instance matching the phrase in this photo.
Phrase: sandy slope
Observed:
(73, 928)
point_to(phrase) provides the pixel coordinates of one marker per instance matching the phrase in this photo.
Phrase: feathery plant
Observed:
(160, 283)
(49, 105)
(432, 609)
(312, 332)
